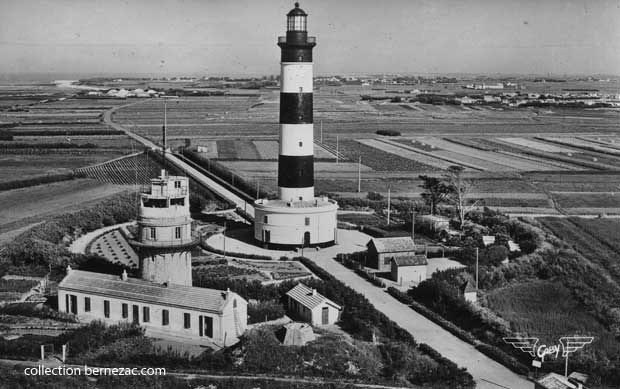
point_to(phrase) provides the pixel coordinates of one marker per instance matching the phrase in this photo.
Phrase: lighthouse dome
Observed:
(297, 11)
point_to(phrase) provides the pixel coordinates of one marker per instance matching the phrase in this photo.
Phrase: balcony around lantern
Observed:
(310, 39)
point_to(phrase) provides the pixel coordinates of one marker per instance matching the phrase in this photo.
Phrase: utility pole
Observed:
(413, 226)
(388, 210)
(224, 238)
(257, 189)
(321, 132)
(359, 175)
(476, 268)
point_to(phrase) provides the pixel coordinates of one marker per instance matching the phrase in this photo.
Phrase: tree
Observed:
(459, 191)
(436, 191)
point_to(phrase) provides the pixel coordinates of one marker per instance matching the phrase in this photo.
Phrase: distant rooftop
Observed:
(393, 245)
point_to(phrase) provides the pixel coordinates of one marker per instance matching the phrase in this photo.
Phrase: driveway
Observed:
(486, 372)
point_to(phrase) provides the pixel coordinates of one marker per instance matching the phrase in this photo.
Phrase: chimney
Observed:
(227, 293)
(69, 269)
(313, 292)
(124, 275)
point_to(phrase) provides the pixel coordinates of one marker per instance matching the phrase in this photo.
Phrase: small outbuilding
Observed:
(382, 250)
(406, 270)
(296, 334)
(312, 307)
(470, 294)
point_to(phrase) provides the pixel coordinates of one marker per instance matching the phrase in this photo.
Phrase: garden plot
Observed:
(497, 158)
(405, 153)
(268, 149)
(209, 148)
(536, 145)
(456, 158)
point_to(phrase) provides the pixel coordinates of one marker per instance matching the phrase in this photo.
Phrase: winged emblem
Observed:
(527, 345)
(570, 344)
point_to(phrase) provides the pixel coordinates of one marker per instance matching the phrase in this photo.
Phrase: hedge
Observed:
(27, 182)
(493, 352)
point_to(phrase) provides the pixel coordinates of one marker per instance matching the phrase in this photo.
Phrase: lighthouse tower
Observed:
(165, 238)
(297, 218)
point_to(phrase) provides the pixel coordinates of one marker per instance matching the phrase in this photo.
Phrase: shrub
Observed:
(374, 196)
(33, 310)
(264, 311)
(388, 132)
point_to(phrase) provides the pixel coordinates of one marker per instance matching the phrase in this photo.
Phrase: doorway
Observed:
(307, 238)
(325, 315)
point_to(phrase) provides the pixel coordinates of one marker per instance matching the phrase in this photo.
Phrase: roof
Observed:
(135, 289)
(309, 297)
(468, 287)
(296, 11)
(413, 260)
(393, 245)
(556, 381)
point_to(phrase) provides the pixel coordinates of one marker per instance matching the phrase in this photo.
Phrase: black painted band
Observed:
(296, 54)
(296, 108)
(296, 171)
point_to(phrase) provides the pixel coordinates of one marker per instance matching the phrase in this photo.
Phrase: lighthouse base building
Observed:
(279, 223)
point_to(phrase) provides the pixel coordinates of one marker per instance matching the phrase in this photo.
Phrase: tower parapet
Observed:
(165, 237)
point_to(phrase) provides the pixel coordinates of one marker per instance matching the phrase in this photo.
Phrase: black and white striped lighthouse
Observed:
(297, 218)
(296, 161)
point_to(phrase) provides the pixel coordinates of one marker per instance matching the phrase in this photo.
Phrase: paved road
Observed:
(485, 371)
(190, 171)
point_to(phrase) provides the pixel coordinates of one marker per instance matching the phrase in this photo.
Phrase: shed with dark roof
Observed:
(309, 305)
(382, 250)
(410, 269)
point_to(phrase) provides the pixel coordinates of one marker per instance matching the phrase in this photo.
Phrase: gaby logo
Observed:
(567, 345)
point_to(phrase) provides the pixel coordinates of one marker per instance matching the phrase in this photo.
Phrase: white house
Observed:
(409, 269)
(311, 306)
(165, 310)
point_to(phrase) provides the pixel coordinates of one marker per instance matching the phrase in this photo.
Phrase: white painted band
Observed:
(296, 194)
(296, 139)
(296, 77)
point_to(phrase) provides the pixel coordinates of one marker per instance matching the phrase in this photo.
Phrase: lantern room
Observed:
(296, 19)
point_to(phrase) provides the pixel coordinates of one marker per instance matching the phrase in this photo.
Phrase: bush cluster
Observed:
(27, 182)
(264, 311)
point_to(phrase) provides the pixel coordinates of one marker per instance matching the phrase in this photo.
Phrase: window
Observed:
(208, 326)
(125, 311)
(106, 308)
(177, 232)
(187, 320)
(86, 304)
(301, 144)
(265, 219)
(307, 221)
(165, 317)
(146, 314)
(153, 233)
(177, 184)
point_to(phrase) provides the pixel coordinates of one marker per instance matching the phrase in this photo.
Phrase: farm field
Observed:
(20, 166)
(26, 206)
(595, 239)
(544, 309)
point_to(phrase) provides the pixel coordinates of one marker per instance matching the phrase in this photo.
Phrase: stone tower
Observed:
(165, 238)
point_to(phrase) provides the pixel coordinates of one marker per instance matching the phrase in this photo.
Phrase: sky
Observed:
(238, 37)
